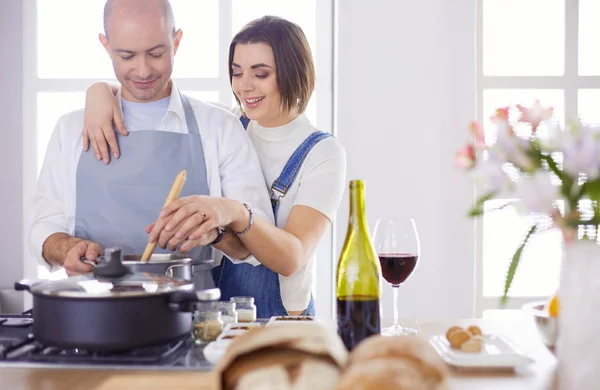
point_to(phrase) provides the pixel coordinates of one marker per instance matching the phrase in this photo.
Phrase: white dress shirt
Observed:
(233, 169)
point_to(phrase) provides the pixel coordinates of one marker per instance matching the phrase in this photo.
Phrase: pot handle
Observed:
(26, 284)
(186, 300)
(169, 271)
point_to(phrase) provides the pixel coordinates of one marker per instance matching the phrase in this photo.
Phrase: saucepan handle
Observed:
(26, 284)
(170, 269)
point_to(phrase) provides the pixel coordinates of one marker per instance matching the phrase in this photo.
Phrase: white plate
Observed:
(498, 352)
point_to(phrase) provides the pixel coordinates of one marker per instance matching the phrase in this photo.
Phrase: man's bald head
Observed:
(141, 39)
(136, 7)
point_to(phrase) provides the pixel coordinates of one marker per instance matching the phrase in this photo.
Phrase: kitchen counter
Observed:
(517, 325)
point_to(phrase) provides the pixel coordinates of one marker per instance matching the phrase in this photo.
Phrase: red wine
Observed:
(397, 267)
(358, 318)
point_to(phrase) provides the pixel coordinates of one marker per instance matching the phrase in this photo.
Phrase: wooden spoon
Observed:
(173, 194)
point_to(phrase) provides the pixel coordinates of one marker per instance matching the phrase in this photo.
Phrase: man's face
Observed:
(142, 48)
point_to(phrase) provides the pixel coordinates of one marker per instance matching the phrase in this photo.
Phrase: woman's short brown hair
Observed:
(295, 69)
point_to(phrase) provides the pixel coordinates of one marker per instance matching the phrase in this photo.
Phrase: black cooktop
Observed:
(18, 347)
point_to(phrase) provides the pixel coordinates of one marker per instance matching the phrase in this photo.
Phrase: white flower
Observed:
(536, 194)
(581, 152)
(510, 148)
(550, 142)
(491, 175)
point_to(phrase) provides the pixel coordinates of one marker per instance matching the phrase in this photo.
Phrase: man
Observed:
(82, 205)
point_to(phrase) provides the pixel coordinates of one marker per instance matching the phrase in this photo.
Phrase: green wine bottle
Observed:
(358, 276)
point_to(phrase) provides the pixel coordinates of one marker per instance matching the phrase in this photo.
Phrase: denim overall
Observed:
(259, 281)
(114, 203)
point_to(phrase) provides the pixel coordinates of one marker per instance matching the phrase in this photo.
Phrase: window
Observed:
(64, 57)
(527, 50)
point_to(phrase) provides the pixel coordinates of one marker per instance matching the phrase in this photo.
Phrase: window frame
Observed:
(570, 83)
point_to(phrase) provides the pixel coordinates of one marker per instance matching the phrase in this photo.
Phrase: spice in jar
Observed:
(246, 309)
(208, 325)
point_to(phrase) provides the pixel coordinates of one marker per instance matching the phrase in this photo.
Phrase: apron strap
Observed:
(190, 117)
(291, 169)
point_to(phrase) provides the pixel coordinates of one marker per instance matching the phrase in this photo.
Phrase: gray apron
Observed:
(115, 202)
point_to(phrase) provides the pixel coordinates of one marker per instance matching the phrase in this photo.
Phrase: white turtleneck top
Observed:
(319, 185)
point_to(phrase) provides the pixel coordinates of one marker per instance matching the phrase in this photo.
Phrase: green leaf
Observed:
(553, 166)
(512, 269)
(591, 189)
(477, 208)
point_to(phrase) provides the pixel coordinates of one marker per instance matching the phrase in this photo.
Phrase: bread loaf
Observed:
(402, 363)
(383, 374)
(282, 357)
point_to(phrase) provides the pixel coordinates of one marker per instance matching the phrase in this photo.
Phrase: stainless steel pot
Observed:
(113, 308)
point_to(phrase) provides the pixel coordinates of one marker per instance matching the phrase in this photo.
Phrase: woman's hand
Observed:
(187, 244)
(102, 110)
(195, 219)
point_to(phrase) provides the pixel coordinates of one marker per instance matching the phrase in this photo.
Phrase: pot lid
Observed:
(131, 285)
(111, 279)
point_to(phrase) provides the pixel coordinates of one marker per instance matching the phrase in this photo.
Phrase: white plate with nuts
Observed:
(469, 348)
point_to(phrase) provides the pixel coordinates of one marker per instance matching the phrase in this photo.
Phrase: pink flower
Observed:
(477, 131)
(535, 114)
(501, 115)
(465, 158)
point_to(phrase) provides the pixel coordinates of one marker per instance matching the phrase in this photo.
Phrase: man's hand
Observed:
(88, 249)
(65, 251)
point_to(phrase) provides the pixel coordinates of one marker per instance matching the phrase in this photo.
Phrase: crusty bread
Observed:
(383, 374)
(406, 349)
(282, 357)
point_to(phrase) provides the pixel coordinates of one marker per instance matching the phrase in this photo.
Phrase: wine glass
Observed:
(397, 244)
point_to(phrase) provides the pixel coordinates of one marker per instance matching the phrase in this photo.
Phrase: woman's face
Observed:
(254, 82)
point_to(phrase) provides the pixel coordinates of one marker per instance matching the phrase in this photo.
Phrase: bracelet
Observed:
(247, 206)
(220, 236)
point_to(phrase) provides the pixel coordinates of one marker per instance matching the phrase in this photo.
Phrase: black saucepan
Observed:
(113, 309)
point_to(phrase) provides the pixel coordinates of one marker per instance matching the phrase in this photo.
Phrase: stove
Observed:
(19, 348)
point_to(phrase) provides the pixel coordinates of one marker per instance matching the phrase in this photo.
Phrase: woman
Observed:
(271, 73)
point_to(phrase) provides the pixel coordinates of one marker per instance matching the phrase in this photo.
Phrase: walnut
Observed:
(474, 330)
(474, 344)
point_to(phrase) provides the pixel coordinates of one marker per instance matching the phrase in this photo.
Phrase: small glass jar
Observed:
(208, 325)
(245, 307)
(228, 311)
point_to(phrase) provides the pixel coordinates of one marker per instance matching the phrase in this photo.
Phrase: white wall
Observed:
(406, 91)
(11, 173)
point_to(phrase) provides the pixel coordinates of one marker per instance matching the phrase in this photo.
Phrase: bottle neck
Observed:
(358, 218)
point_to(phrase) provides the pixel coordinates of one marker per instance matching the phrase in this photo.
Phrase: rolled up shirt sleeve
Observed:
(50, 213)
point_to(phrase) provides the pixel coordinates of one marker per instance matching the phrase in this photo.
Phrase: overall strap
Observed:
(292, 167)
(245, 120)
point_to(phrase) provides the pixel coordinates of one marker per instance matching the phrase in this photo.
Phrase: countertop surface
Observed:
(515, 324)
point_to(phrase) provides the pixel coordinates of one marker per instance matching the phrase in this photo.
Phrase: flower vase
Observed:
(578, 349)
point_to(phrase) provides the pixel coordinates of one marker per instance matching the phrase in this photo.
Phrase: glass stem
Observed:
(395, 289)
